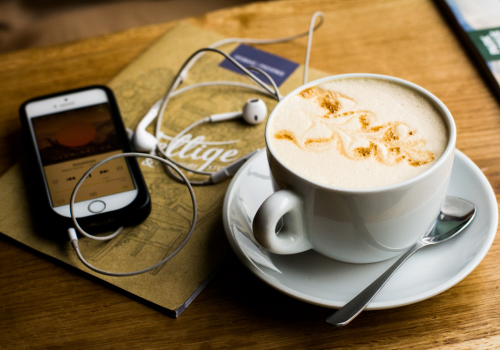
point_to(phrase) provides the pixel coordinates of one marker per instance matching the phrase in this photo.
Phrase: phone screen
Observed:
(72, 141)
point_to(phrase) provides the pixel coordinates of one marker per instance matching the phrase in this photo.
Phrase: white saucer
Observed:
(316, 279)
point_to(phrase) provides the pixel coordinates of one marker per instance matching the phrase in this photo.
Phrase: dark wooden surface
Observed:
(45, 305)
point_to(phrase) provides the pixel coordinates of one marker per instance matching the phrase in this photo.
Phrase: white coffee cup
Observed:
(352, 225)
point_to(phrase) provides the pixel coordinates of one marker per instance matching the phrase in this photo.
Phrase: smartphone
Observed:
(70, 131)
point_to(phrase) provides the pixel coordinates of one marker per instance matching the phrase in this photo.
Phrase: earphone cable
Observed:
(223, 83)
(179, 179)
(167, 97)
(176, 82)
(260, 41)
(172, 143)
(74, 237)
(277, 94)
(195, 56)
(312, 28)
(169, 163)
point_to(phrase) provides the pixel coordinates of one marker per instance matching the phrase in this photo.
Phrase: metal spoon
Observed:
(456, 214)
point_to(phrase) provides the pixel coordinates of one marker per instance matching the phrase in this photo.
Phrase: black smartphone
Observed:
(67, 133)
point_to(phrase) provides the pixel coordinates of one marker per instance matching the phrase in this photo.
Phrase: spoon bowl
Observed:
(456, 214)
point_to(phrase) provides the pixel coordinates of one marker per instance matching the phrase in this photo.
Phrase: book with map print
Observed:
(173, 286)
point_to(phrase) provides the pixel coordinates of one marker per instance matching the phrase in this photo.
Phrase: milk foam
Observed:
(358, 133)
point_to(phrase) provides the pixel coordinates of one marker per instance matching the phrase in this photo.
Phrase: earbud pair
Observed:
(254, 112)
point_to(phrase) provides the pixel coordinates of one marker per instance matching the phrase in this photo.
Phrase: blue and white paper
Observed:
(277, 67)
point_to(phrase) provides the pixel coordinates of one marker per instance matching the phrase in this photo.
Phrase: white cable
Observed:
(153, 111)
(165, 152)
(194, 57)
(74, 239)
(173, 91)
(256, 41)
(218, 83)
(277, 94)
(312, 28)
(176, 82)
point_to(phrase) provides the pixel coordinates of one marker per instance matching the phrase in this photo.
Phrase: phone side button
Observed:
(97, 206)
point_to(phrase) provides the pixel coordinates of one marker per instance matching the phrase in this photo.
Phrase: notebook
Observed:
(173, 286)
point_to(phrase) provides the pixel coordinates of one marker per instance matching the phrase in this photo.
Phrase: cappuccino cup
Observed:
(360, 165)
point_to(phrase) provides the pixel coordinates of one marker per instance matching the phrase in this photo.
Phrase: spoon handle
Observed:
(353, 308)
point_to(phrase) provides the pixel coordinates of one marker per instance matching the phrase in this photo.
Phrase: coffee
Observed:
(358, 133)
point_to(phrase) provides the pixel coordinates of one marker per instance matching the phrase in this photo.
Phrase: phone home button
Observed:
(97, 206)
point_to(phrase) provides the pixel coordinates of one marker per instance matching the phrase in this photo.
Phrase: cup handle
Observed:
(292, 237)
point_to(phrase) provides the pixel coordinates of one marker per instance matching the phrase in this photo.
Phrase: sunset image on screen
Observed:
(75, 134)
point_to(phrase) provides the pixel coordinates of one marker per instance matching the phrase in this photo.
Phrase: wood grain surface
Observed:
(45, 305)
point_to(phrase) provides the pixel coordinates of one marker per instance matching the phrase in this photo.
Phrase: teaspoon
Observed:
(455, 215)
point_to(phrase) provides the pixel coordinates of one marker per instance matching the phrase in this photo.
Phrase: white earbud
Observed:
(143, 140)
(254, 112)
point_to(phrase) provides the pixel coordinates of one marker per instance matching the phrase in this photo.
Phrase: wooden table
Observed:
(45, 305)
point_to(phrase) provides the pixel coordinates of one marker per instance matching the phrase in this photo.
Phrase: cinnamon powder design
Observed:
(389, 143)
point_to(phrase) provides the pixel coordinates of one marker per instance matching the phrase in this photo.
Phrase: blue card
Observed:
(277, 67)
